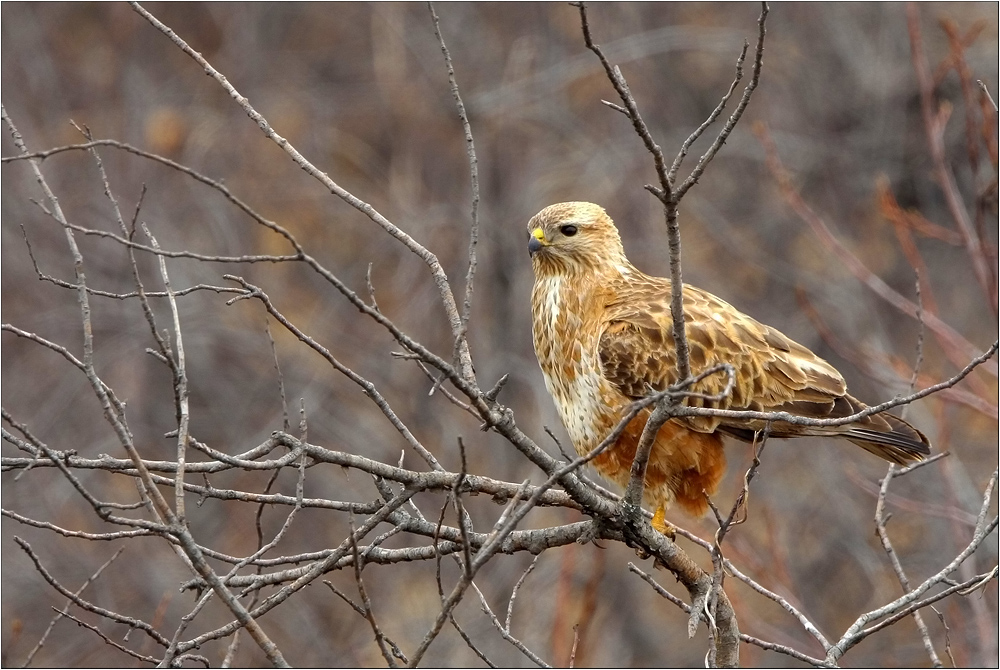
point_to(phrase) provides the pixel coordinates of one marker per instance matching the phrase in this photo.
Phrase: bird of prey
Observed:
(603, 336)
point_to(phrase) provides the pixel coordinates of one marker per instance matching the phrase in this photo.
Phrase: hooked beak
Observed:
(537, 241)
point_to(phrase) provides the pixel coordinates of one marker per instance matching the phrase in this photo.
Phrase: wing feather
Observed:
(773, 372)
(637, 350)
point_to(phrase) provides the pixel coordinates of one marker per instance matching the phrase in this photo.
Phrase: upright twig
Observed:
(180, 383)
(737, 515)
(758, 63)
(664, 192)
(366, 603)
(881, 519)
(470, 149)
(286, 425)
(686, 145)
(505, 628)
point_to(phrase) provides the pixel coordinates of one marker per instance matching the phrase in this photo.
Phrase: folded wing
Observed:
(773, 373)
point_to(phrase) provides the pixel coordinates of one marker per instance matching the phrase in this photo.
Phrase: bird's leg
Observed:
(661, 524)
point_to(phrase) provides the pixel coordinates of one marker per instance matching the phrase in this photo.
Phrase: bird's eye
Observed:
(568, 230)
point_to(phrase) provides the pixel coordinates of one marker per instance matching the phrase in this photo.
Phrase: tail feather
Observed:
(888, 446)
(888, 437)
(885, 435)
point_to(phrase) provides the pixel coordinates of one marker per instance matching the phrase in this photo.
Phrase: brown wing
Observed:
(773, 373)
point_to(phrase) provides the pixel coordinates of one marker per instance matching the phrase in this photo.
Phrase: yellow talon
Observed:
(661, 524)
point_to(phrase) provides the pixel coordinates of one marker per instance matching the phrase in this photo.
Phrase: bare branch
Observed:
(751, 86)
(437, 272)
(470, 148)
(504, 628)
(686, 146)
(107, 640)
(65, 610)
(883, 534)
(180, 386)
(79, 602)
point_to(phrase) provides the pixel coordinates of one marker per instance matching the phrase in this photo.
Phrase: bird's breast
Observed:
(566, 333)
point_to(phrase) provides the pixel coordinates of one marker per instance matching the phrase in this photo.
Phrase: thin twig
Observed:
(686, 146)
(65, 610)
(180, 385)
(437, 272)
(396, 651)
(751, 86)
(107, 640)
(504, 629)
(737, 515)
(366, 603)
(470, 148)
(880, 528)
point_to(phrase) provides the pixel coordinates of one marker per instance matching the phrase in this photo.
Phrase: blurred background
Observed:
(361, 90)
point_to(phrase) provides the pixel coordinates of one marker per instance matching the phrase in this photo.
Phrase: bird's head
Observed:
(574, 237)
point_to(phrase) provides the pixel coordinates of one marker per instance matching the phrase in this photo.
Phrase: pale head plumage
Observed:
(575, 238)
